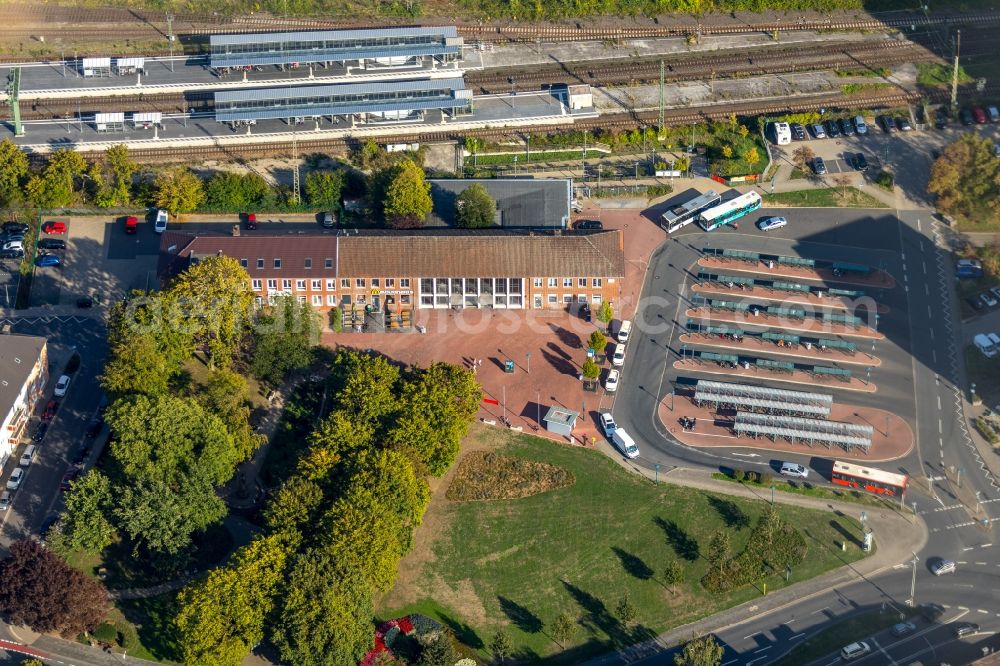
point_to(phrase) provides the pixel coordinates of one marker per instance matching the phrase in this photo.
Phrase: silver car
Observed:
(942, 567)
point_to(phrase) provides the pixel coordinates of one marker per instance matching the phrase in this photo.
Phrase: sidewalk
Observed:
(896, 535)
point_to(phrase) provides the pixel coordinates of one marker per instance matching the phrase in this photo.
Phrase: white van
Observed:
(160, 225)
(624, 330)
(618, 358)
(28, 456)
(983, 344)
(854, 651)
(625, 443)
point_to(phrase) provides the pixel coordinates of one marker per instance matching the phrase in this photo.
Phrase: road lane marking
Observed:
(763, 649)
(925, 266)
(939, 402)
(967, 549)
(824, 608)
(986, 545)
(940, 427)
(980, 610)
(792, 638)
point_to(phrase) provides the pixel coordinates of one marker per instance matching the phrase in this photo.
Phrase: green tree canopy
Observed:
(323, 188)
(605, 313)
(703, 651)
(222, 617)
(365, 387)
(408, 193)
(85, 524)
(475, 208)
(283, 339)
(237, 192)
(163, 518)
(339, 438)
(294, 506)
(178, 190)
(326, 616)
(966, 179)
(13, 171)
(56, 186)
(139, 367)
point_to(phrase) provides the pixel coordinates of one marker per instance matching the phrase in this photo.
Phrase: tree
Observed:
(139, 367)
(591, 370)
(597, 341)
(225, 395)
(475, 208)
(178, 190)
(162, 518)
(966, 179)
(605, 313)
(673, 574)
(439, 403)
(803, 156)
(85, 524)
(501, 646)
(13, 171)
(339, 437)
(743, 131)
(56, 186)
(562, 629)
(751, 156)
(323, 188)
(727, 152)
(237, 191)
(213, 299)
(702, 651)
(123, 168)
(326, 616)
(294, 506)
(625, 610)
(718, 548)
(365, 387)
(39, 589)
(440, 652)
(283, 339)
(408, 193)
(222, 617)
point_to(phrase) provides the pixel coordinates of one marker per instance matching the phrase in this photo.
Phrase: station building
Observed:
(365, 49)
(393, 273)
(370, 102)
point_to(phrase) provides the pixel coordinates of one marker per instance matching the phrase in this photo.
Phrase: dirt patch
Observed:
(488, 475)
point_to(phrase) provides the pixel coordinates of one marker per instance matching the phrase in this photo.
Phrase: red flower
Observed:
(405, 625)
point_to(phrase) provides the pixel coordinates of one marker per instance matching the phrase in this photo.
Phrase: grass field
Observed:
(518, 564)
(826, 197)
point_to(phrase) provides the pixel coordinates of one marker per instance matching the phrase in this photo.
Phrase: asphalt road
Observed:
(39, 496)
(921, 380)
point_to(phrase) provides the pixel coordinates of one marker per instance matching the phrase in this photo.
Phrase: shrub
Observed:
(765, 479)
(983, 426)
(739, 475)
(105, 633)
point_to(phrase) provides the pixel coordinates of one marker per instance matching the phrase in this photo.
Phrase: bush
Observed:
(765, 555)
(983, 426)
(739, 475)
(884, 179)
(105, 633)
(764, 479)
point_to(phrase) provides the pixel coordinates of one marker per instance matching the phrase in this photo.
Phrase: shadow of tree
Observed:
(683, 544)
(522, 618)
(597, 618)
(633, 565)
(732, 515)
(463, 632)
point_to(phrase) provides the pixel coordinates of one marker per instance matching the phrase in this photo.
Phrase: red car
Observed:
(68, 479)
(54, 227)
(131, 224)
(980, 115)
(50, 409)
(249, 220)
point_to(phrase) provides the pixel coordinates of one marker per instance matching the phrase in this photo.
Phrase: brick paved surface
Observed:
(713, 430)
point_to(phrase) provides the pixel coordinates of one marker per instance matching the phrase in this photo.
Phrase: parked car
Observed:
(618, 358)
(611, 383)
(989, 299)
(818, 131)
(249, 220)
(886, 123)
(996, 292)
(819, 166)
(846, 127)
(608, 424)
(860, 163)
(980, 115)
(160, 223)
(794, 470)
(941, 119)
(855, 651)
(903, 124)
(329, 220)
(590, 225)
(976, 301)
(52, 244)
(942, 567)
(28, 456)
(54, 227)
(965, 629)
(12, 237)
(860, 125)
(994, 114)
(61, 386)
(50, 409)
(94, 429)
(966, 117)
(15, 228)
(903, 628)
(832, 130)
(14, 482)
(40, 432)
(11, 254)
(5, 499)
(13, 245)
(768, 223)
(798, 132)
(131, 224)
(68, 478)
(48, 260)
(84, 302)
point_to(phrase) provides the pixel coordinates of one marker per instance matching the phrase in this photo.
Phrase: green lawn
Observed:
(935, 74)
(152, 620)
(844, 633)
(520, 563)
(825, 197)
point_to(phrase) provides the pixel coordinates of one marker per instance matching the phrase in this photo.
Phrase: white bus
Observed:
(782, 133)
(684, 214)
(732, 210)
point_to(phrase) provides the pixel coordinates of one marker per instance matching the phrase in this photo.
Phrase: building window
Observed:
(596, 282)
(260, 263)
(331, 285)
(595, 299)
(317, 285)
(581, 282)
(302, 300)
(536, 283)
(331, 300)
(553, 299)
(404, 299)
(345, 283)
(256, 284)
(272, 285)
(404, 283)
(390, 283)
(359, 283)
(259, 302)
(567, 282)
(553, 282)
(328, 263)
(427, 300)
(375, 283)
(309, 262)
(537, 301)
(244, 263)
(317, 300)
(567, 299)
(277, 264)
(300, 285)
(581, 298)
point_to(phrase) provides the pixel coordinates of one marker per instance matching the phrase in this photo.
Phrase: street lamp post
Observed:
(772, 494)
(972, 392)
(527, 362)
(913, 581)
(656, 470)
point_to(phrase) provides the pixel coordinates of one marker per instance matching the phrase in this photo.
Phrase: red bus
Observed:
(873, 480)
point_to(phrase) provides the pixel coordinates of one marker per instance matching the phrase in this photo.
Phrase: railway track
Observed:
(620, 121)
